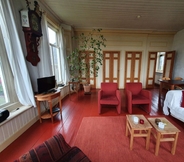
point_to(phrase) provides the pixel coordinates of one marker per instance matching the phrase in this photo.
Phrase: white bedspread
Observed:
(173, 101)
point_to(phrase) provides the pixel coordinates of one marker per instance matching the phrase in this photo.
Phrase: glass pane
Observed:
(56, 66)
(52, 36)
(161, 63)
(3, 96)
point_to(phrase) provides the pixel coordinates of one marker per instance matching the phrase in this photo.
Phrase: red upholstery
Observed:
(136, 95)
(109, 95)
(55, 149)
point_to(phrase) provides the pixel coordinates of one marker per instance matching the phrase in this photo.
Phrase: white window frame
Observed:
(59, 73)
(8, 80)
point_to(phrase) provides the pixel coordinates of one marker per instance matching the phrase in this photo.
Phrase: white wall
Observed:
(178, 46)
(119, 40)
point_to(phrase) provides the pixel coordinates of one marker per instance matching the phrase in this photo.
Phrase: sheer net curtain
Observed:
(15, 52)
(65, 69)
(25, 75)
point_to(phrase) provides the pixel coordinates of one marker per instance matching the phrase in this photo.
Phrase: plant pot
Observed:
(87, 88)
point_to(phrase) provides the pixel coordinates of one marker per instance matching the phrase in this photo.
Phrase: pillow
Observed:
(182, 102)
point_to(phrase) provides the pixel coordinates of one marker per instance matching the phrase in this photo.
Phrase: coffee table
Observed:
(138, 130)
(168, 134)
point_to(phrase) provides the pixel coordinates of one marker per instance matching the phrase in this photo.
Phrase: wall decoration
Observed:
(31, 24)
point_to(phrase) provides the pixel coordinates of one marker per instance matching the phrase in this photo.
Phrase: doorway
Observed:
(160, 64)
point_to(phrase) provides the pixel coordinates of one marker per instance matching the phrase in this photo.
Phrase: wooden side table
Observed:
(48, 97)
(168, 134)
(170, 83)
(138, 130)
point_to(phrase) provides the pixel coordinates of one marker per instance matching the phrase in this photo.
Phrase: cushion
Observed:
(51, 150)
(139, 99)
(182, 100)
(109, 100)
(109, 93)
(135, 88)
(74, 155)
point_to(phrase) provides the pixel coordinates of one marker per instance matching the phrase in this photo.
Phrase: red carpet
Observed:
(103, 139)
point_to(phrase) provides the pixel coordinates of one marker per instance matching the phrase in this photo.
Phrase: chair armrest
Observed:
(118, 94)
(129, 95)
(129, 100)
(99, 94)
(146, 93)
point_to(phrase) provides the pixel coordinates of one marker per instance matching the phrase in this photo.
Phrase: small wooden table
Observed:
(48, 97)
(138, 130)
(168, 134)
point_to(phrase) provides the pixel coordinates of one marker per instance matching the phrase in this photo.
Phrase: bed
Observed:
(172, 104)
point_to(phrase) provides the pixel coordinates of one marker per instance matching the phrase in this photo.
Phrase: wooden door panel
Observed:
(133, 66)
(168, 64)
(106, 69)
(128, 70)
(91, 78)
(152, 59)
(115, 69)
(111, 66)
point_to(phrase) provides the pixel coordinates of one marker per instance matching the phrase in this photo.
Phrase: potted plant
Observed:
(87, 57)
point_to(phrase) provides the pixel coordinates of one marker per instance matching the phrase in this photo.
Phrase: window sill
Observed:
(61, 87)
(159, 72)
(16, 112)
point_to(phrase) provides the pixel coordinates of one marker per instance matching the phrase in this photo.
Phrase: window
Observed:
(160, 61)
(8, 96)
(55, 53)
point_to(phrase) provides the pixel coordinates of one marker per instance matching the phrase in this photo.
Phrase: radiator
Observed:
(19, 121)
(13, 128)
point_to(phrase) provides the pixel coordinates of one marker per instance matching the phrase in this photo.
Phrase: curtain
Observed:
(15, 52)
(65, 69)
(44, 66)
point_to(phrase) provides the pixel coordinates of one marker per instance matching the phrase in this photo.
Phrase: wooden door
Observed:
(91, 77)
(150, 79)
(133, 66)
(168, 64)
(111, 62)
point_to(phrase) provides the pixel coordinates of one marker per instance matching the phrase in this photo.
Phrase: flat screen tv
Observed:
(45, 84)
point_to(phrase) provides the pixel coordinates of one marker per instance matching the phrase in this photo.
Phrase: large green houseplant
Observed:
(87, 57)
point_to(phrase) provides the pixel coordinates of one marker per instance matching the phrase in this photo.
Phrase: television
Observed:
(45, 84)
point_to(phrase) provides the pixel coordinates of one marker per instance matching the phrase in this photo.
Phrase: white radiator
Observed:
(19, 121)
(13, 128)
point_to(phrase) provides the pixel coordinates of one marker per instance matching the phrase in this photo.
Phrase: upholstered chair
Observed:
(137, 96)
(109, 95)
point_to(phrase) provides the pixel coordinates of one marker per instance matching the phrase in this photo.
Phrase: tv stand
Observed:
(48, 97)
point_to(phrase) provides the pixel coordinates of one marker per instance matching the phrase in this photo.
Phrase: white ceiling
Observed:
(155, 15)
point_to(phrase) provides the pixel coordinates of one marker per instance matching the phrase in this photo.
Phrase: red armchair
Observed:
(109, 95)
(137, 96)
